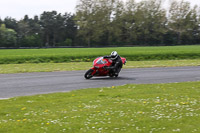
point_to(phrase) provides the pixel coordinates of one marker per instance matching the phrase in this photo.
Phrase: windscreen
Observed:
(101, 61)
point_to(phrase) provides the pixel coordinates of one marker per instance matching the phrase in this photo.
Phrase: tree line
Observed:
(107, 23)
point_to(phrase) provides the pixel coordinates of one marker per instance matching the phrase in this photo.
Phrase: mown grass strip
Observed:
(71, 66)
(147, 108)
(17, 56)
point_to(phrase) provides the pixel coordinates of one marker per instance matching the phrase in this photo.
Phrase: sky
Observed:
(18, 8)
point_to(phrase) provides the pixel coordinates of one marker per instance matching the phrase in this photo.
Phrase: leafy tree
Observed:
(115, 29)
(31, 41)
(191, 27)
(34, 25)
(1, 21)
(93, 19)
(47, 21)
(70, 28)
(180, 18)
(7, 37)
(148, 22)
(28, 30)
(129, 35)
(23, 30)
(11, 23)
(52, 26)
(67, 42)
(85, 20)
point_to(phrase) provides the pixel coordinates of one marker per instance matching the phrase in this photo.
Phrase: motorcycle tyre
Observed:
(88, 74)
(111, 75)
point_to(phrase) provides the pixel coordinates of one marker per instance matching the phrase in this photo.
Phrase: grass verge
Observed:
(146, 108)
(50, 67)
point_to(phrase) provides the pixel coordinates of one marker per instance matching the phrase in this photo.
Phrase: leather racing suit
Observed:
(116, 64)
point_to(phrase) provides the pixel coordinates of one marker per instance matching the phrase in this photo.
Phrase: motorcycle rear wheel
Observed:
(88, 74)
(111, 75)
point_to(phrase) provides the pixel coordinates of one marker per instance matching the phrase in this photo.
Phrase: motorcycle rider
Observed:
(116, 63)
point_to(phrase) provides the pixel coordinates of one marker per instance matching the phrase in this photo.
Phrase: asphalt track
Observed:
(23, 84)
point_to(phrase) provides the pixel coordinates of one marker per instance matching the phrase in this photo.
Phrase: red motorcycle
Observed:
(99, 68)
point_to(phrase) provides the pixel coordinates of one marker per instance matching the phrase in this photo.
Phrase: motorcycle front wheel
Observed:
(88, 74)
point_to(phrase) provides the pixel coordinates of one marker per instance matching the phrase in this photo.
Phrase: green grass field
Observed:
(16, 56)
(161, 108)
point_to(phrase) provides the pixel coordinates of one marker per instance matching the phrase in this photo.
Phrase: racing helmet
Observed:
(114, 55)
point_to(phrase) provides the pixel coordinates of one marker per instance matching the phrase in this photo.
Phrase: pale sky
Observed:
(18, 8)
